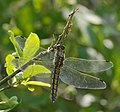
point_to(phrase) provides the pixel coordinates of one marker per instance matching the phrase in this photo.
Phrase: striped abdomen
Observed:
(54, 87)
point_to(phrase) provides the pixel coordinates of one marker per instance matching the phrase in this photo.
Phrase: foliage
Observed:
(95, 35)
(23, 77)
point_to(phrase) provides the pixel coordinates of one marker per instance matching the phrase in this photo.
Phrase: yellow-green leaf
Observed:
(3, 102)
(38, 83)
(16, 45)
(9, 67)
(33, 70)
(31, 89)
(32, 45)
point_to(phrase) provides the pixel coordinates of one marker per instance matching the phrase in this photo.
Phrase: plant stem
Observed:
(9, 77)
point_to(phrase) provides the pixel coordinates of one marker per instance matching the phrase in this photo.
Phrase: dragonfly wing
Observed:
(42, 76)
(80, 80)
(88, 66)
(48, 56)
(18, 62)
(46, 78)
(46, 61)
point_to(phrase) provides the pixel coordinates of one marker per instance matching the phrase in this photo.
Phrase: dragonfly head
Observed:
(60, 46)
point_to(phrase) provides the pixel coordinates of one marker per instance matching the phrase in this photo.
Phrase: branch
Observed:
(60, 39)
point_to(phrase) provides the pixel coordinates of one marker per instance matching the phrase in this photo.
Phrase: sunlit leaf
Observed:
(9, 67)
(33, 70)
(16, 46)
(31, 89)
(32, 45)
(2, 102)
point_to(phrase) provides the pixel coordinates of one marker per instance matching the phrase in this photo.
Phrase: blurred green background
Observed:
(95, 35)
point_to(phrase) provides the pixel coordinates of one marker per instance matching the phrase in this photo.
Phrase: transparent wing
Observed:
(44, 77)
(46, 61)
(88, 66)
(80, 80)
(74, 71)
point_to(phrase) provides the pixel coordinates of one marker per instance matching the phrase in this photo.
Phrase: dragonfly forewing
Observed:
(88, 66)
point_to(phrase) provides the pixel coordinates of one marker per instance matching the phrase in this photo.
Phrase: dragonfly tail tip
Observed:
(53, 99)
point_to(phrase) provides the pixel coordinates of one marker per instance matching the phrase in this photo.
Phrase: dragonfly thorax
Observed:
(59, 55)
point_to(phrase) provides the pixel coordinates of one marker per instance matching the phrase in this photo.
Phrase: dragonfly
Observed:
(72, 71)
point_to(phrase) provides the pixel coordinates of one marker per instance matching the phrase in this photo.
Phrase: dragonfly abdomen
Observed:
(55, 84)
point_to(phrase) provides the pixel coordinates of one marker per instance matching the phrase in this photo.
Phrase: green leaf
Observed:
(32, 45)
(33, 70)
(12, 103)
(16, 45)
(38, 83)
(9, 67)
(31, 89)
